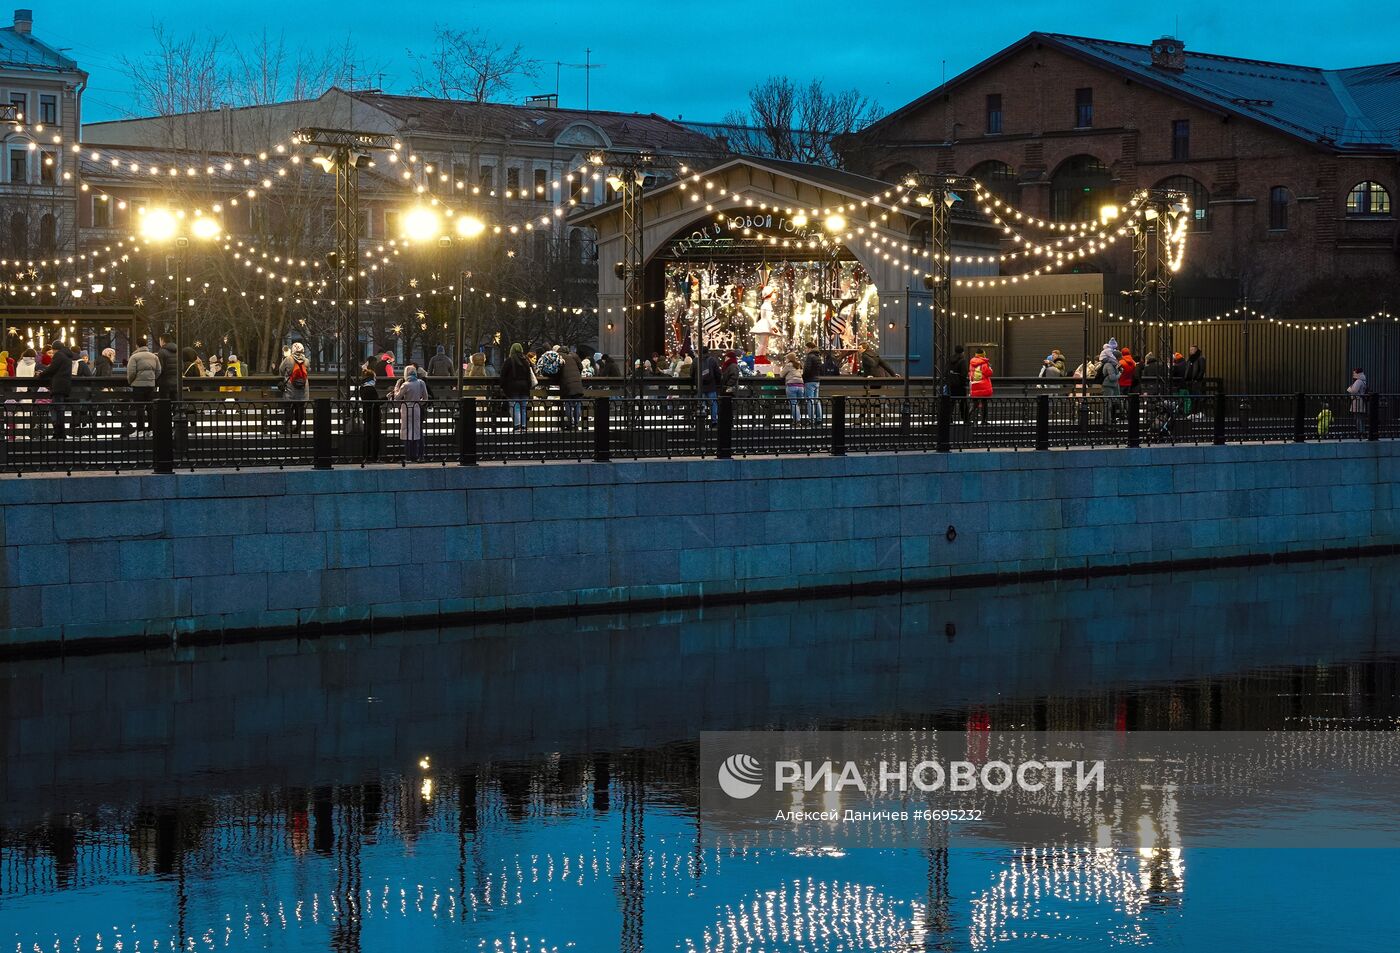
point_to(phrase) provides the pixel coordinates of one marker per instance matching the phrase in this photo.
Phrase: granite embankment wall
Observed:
(148, 557)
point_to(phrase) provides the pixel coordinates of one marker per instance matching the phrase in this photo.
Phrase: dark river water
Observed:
(534, 787)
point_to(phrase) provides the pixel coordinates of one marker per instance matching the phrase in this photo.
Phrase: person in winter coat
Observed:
(1358, 391)
(58, 378)
(477, 366)
(792, 383)
(517, 380)
(570, 381)
(440, 365)
(729, 374)
(7, 364)
(168, 386)
(955, 379)
(1152, 376)
(1110, 374)
(232, 368)
(1128, 365)
(710, 375)
(371, 403)
(872, 364)
(143, 374)
(607, 367)
(812, 382)
(106, 360)
(411, 393)
(979, 378)
(194, 367)
(296, 386)
(1053, 366)
(1195, 371)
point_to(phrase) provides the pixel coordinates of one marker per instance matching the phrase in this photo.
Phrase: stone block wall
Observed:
(102, 557)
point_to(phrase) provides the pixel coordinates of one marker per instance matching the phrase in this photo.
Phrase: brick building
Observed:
(1293, 171)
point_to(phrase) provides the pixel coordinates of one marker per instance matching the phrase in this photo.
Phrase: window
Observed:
(1368, 198)
(19, 234)
(48, 108)
(576, 246)
(1083, 108)
(362, 221)
(1080, 187)
(1196, 195)
(461, 172)
(993, 113)
(1278, 208)
(101, 212)
(21, 103)
(541, 185)
(1181, 139)
(513, 181)
(48, 235)
(391, 224)
(486, 178)
(999, 179)
(48, 168)
(19, 165)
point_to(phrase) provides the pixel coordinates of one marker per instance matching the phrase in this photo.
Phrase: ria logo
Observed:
(740, 776)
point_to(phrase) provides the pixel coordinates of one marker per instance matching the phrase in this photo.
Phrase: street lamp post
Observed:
(161, 227)
(422, 225)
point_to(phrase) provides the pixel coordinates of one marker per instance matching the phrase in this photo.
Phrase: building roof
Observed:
(1348, 109)
(540, 124)
(25, 51)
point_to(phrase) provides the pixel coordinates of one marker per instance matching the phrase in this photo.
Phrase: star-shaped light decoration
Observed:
(413, 282)
(139, 301)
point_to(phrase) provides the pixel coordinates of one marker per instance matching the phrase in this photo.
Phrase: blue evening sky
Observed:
(697, 59)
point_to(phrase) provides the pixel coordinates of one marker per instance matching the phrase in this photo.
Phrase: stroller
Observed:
(1168, 411)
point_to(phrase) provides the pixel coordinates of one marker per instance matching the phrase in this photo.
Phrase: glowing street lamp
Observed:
(421, 224)
(160, 227)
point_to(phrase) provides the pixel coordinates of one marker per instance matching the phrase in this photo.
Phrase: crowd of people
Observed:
(153, 371)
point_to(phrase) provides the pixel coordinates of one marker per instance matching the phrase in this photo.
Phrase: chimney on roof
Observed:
(1169, 53)
(24, 21)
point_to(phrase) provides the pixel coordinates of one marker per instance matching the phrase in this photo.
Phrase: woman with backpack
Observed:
(296, 387)
(979, 379)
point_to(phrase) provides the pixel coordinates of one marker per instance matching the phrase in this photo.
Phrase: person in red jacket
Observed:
(979, 381)
(1127, 366)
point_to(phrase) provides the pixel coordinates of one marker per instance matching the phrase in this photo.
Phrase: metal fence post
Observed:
(1373, 416)
(1042, 422)
(163, 433)
(945, 423)
(724, 436)
(1134, 420)
(838, 425)
(1219, 436)
(466, 432)
(602, 442)
(321, 433)
(1300, 408)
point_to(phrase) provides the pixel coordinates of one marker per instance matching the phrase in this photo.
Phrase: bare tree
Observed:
(178, 74)
(467, 65)
(798, 123)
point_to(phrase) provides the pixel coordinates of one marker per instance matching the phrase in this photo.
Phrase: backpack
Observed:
(296, 377)
(1099, 372)
(548, 364)
(977, 374)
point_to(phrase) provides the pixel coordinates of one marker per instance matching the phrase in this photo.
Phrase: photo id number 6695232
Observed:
(948, 814)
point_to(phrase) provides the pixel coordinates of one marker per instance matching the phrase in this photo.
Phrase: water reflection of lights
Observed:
(1035, 884)
(809, 915)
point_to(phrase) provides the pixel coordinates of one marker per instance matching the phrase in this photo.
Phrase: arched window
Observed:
(19, 234)
(1368, 198)
(1278, 208)
(1196, 194)
(999, 179)
(48, 234)
(576, 246)
(1079, 188)
(542, 246)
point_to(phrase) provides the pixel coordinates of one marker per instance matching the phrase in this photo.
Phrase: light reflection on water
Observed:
(532, 788)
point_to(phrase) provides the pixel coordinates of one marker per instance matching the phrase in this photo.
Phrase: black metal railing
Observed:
(39, 434)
